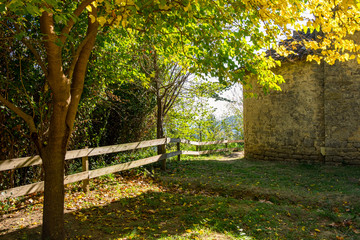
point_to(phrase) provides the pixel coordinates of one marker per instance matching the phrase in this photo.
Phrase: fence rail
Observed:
(87, 174)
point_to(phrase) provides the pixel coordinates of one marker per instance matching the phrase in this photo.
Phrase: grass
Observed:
(208, 197)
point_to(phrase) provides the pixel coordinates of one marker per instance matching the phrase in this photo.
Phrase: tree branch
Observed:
(175, 95)
(27, 118)
(79, 72)
(66, 30)
(53, 51)
(70, 70)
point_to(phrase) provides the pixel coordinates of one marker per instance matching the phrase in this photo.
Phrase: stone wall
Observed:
(342, 113)
(315, 118)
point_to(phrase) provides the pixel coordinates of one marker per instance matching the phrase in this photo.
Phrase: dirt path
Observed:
(232, 156)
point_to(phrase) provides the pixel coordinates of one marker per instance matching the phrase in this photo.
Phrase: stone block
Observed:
(333, 143)
(331, 151)
(297, 156)
(308, 142)
(336, 159)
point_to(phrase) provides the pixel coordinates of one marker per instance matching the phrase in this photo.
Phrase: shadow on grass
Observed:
(207, 200)
(151, 215)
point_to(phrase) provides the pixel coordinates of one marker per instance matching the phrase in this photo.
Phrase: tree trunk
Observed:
(160, 131)
(66, 90)
(53, 156)
(159, 120)
(53, 215)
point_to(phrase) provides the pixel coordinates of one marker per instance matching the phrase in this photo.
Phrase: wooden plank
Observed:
(196, 153)
(39, 186)
(217, 150)
(126, 147)
(205, 143)
(114, 148)
(130, 165)
(180, 140)
(73, 154)
(76, 177)
(219, 142)
(19, 162)
(213, 142)
(190, 153)
(174, 140)
(23, 190)
(194, 143)
(236, 141)
(117, 168)
(173, 154)
(125, 166)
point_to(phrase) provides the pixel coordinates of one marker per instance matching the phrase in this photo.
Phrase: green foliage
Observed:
(116, 104)
(192, 117)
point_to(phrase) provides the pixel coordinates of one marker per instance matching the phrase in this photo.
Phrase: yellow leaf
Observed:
(187, 7)
(317, 230)
(93, 19)
(188, 230)
(89, 8)
(124, 22)
(102, 21)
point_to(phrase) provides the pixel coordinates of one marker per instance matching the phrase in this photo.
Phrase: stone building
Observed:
(315, 118)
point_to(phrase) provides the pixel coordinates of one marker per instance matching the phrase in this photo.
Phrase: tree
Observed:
(192, 118)
(219, 37)
(166, 82)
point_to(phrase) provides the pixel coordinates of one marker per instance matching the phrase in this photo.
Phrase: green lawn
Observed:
(209, 197)
(274, 200)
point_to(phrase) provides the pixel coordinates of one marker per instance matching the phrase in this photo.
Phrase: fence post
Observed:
(85, 168)
(178, 149)
(163, 151)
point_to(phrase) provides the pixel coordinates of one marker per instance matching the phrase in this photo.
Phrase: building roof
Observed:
(295, 44)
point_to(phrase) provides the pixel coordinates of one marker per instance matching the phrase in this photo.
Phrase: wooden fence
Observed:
(85, 153)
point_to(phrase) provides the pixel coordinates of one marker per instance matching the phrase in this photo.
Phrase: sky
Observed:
(222, 107)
